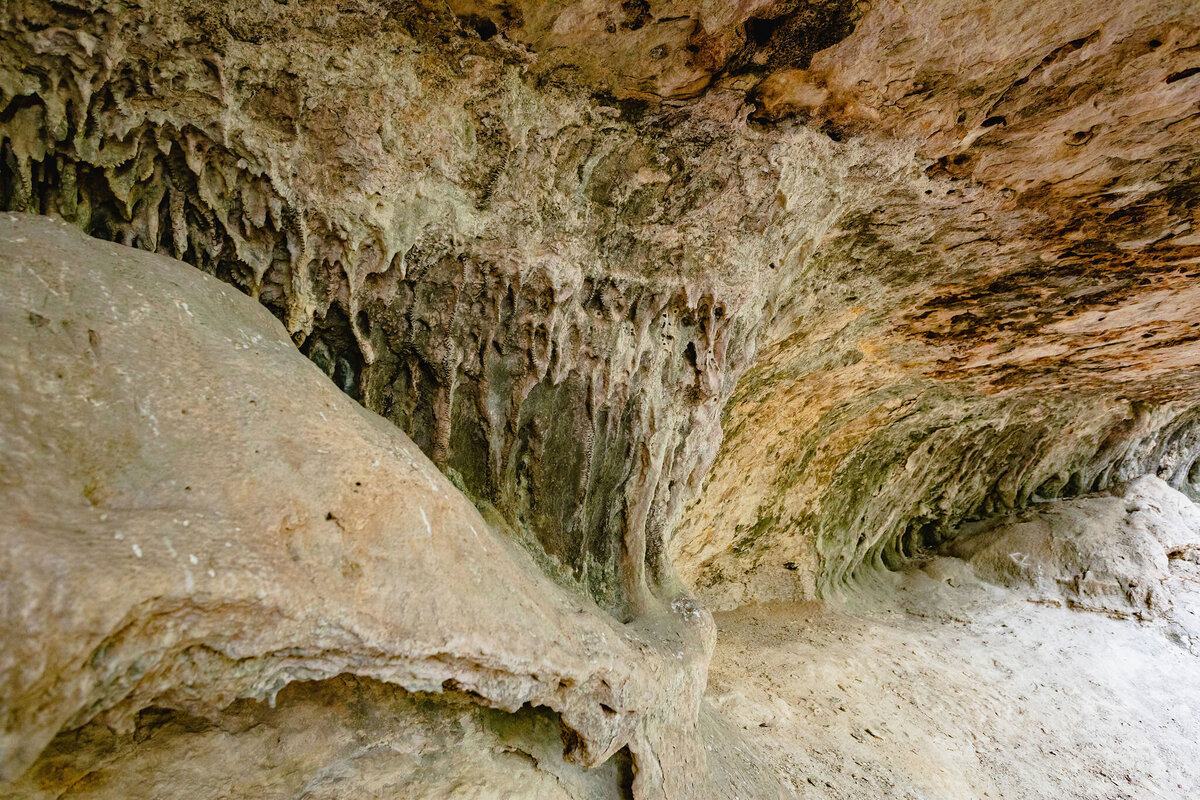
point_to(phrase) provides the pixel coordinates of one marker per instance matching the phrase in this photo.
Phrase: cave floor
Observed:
(938, 688)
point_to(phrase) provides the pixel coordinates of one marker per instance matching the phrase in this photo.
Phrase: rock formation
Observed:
(688, 306)
(235, 523)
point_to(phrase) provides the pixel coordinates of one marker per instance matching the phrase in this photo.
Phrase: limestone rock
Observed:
(941, 692)
(343, 737)
(915, 265)
(544, 296)
(1104, 553)
(758, 300)
(651, 49)
(1017, 324)
(194, 514)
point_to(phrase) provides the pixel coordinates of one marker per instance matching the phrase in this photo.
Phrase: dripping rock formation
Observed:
(499, 398)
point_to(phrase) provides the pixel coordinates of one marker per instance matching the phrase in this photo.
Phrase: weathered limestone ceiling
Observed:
(1021, 327)
(545, 292)
(944, 252)
(635, 49)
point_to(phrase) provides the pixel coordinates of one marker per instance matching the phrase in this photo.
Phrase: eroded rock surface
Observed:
(1020, 325)
(761, 299)
(543, 296)
(1108, 553)
(344, 737)
(955, 249)
(195, 514)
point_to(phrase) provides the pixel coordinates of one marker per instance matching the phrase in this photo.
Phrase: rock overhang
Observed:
(916, 267)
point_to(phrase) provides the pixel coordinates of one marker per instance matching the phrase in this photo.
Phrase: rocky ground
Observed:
(951, 689)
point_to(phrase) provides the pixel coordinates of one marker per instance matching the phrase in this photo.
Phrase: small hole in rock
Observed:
(482, 26)
(689, 353)
(760, 30)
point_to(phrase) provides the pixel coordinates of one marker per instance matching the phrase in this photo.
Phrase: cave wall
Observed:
(196, 516)
(916, 265)
(546, 297)
(1017, 324)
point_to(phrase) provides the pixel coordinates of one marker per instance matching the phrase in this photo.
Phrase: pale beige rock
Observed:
(344, 737)
(195, 514)
(555, 291)
(945, 692)
(917, 264)
(1101, 553)
(352, 737)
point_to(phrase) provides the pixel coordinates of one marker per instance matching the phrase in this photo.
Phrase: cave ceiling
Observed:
(744, 297)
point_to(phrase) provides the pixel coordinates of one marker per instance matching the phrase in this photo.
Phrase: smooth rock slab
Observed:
(944, 692)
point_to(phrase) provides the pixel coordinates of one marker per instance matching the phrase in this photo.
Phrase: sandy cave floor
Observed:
(963, 691)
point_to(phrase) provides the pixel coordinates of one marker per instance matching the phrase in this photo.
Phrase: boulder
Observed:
(195, 514)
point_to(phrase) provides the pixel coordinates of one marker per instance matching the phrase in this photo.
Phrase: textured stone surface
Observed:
(195, 514)
(866, 274)
(1016, 323)
(946, 688)
(350, 737)
(642, 50)
(1108, 554)
(545, 296)
(555, 292)
(345, 737)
